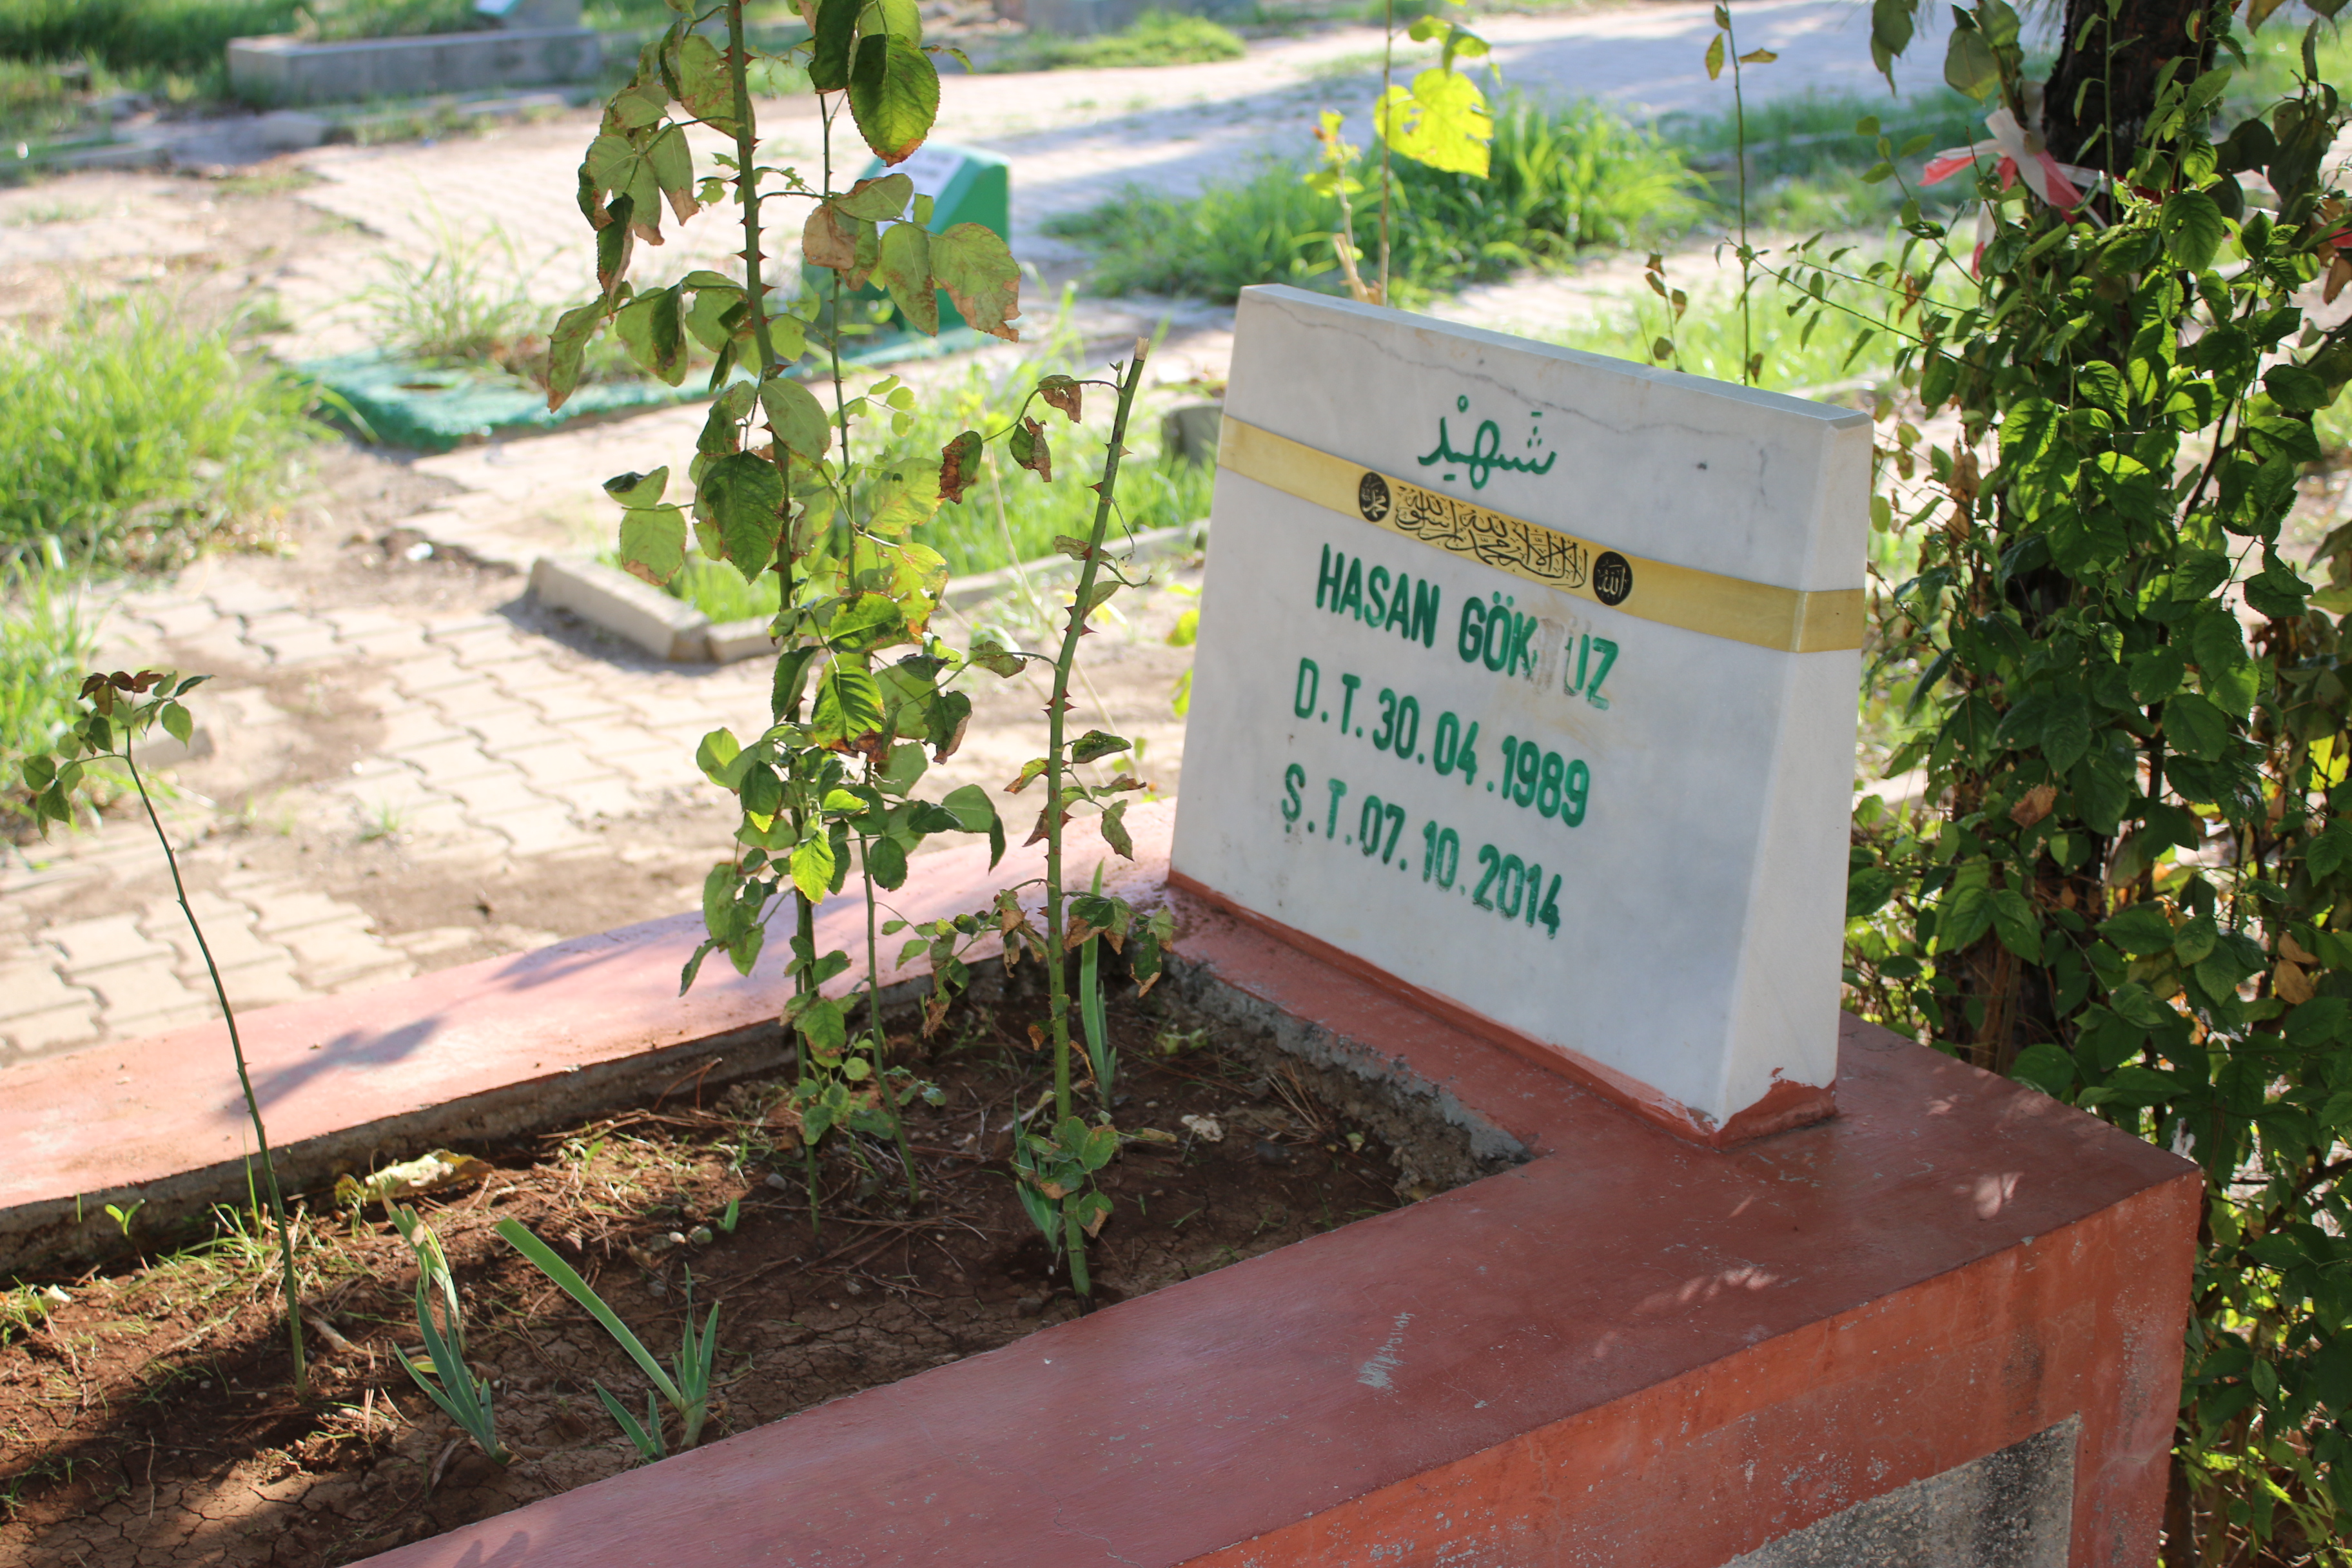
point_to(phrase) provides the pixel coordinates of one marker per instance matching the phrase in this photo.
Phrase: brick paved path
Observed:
(490, 739)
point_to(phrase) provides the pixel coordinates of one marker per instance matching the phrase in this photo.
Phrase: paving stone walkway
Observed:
(365, 743)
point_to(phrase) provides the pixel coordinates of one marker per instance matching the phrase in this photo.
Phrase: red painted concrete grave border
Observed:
(1628, 1349)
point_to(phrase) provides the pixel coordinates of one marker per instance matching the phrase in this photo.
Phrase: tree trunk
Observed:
(2094, 105)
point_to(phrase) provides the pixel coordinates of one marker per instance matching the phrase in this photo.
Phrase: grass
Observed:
(1708, 340)
(1154, 38)
(133, 436)
(46, 646)
(465, 302)
(169, 34)
(1012, 516)
(1561, 180)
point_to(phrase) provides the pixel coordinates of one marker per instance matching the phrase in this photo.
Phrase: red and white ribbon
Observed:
(2019, 152)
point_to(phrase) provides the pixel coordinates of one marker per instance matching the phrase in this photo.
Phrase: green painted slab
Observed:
(402, 403)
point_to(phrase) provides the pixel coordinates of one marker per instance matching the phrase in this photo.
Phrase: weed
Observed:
(1559, 180)
(1707, 340)
(334, 20)
(118, 710)
(45, 642)
(465, 301)
(382, 820)
(137, 436)
(689, 1392)
(440, 1371)
(1154, 38)
(24, 1307)
(123, 1216)
(177, 34)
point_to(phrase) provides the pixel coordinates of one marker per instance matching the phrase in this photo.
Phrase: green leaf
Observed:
(813, 873)
(2016, 923)
(1971, 65)
(848, 707)
(2065, 731)
(543, 1258)
(653, 542)
(720, 434)
(836, 32)
(638, 489)
(2136, 1004)
(2143, 931)
(2227, 671)
(706, 88)
(2196, 729)
(1867, 888)
(650, 326)
(905, 270)
(743, 495)
(2193, 228)
(706, 319)
(1442, 121)
(973, 264)
(567, 347)
(1965, 914)
(796, 417)
(1715, 56)
(865, 621)
(894, 96)
(1114, 831)
(2331, 850)
(883, 197)
(2296, 389)
(717, 756)
(886, 862)
(2046, 1067)
(990, 655)
(1096, 743)
(618, 165)
(2156, 674)
(178, 723)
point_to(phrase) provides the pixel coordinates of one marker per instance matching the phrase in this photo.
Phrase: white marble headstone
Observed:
(1639, 864)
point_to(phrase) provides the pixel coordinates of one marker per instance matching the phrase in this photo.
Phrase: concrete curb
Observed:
(670, 629)
(609, 598)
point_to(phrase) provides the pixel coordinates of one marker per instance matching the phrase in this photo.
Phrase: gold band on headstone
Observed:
(1790, 620)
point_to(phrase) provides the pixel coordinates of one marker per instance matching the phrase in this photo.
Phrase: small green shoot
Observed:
(734, 1215)
(689, 1392)
(440, 1369)
(122, 1216)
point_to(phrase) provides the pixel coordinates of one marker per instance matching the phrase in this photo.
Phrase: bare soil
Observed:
(148, 1418)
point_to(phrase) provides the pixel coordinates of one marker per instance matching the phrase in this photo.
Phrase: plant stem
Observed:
(1057, 981)
(1746, 256)
(244, 1078)
(1388, 66)
(755, 300)
(873, 1019)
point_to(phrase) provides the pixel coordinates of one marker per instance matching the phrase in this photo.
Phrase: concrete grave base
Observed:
(1942, 1327)
(283, 69)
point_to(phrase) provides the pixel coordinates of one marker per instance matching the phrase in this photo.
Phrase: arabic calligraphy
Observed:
(1485, 453)
(1466, 529)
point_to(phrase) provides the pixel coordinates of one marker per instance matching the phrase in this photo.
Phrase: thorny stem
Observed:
(1747, 256)
(244, 1078)
(1388, 66)
(1057, 982)
(755, 298)
(875, 1045)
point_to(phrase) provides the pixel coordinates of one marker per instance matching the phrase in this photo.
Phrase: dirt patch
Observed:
(147, 1420)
